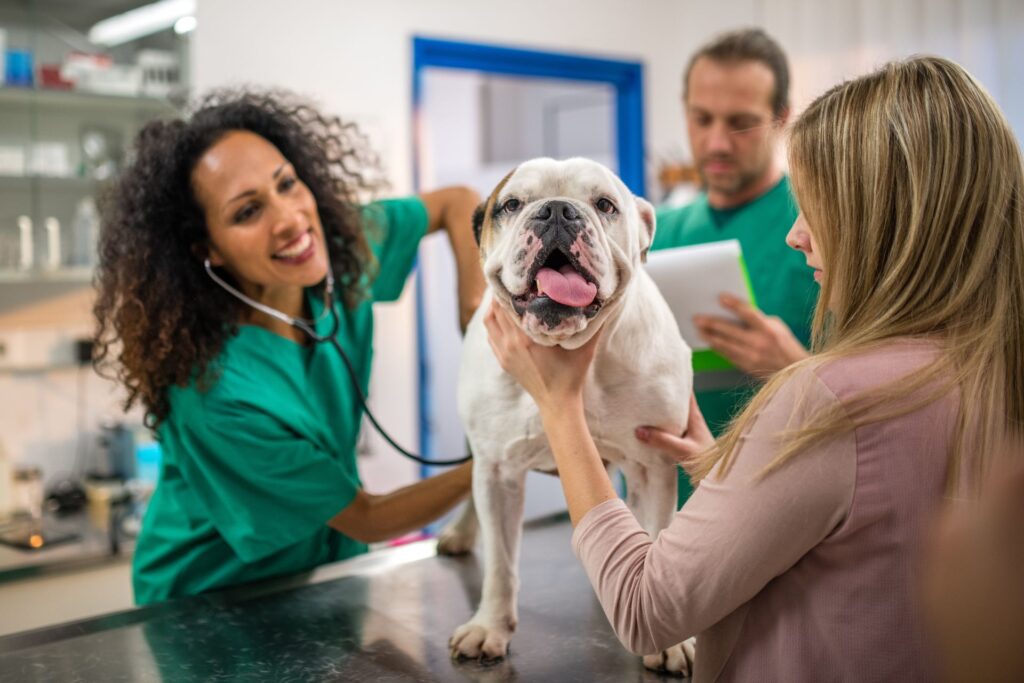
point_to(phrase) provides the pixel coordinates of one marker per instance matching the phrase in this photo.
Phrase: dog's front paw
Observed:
(455, 540)
(677, 660)
(476, 640)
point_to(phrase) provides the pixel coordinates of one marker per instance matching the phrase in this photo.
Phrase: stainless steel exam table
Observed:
(382, 617)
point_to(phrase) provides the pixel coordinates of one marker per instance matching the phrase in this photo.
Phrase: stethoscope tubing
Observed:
(308, 328)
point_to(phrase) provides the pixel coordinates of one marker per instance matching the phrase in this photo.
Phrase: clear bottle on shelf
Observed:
(84, 231)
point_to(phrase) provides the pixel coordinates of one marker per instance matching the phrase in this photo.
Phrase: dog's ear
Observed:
(647, 221)
(478, 221)
(480, 215)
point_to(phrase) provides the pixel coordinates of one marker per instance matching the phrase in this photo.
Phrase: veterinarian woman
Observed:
(252, 201)
(796, 559)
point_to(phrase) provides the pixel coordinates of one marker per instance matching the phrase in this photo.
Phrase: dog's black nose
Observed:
(557, 208)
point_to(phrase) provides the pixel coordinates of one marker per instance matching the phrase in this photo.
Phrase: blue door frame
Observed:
(625, 77)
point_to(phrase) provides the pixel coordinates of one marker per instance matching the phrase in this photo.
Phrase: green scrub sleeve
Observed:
(265, 488)
(394, 228)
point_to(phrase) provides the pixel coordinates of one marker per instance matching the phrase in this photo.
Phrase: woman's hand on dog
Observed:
(695, 440)
(551, 375)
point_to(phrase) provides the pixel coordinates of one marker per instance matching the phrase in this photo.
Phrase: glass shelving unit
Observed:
(63, 141)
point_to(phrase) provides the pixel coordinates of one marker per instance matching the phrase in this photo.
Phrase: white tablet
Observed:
(690, 279)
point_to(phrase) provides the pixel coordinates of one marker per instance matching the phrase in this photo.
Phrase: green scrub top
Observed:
(783, 283)
(255, 466)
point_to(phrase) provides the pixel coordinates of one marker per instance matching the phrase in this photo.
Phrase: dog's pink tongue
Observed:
(566, 286)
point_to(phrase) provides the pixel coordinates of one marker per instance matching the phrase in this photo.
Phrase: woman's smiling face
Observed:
(263, 223)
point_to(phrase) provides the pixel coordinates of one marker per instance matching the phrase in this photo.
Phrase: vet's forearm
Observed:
(416, 505)
(373, 518)
(454, 215)
(583, 475)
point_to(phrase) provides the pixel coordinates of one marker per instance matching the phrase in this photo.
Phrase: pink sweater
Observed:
(806, 575)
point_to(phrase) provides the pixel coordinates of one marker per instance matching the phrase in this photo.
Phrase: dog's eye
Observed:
(604, 205)
(511, 205)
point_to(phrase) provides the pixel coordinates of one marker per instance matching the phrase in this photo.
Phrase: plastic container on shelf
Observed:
(18, 68)
(100, 74)
(53, 250)
(161, 72)
(27, 491)
(27, 253)
(49, 77)
(49, 158)
(84, 231)
(12, 160)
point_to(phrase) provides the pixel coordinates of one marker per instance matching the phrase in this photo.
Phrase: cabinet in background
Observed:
(69, 110)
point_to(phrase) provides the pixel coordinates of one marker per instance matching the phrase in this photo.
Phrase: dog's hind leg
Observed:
(458, 536)
(498, 489)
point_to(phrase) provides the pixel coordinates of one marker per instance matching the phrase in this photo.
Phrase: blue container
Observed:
(19, 68)
(147, 462)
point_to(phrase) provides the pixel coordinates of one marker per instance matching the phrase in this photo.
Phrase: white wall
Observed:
(355, 58)
(830, 40)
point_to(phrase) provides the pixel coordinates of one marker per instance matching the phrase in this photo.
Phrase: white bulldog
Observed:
(562, 243)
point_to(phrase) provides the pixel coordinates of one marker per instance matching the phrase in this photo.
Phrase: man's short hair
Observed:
(748, 45)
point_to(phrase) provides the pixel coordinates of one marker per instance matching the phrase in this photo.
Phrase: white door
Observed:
(474, 128)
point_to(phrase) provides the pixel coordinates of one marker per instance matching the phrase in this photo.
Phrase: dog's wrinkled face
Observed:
(559, 242)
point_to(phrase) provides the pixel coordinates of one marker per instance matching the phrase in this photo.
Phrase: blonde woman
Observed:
(797, 557)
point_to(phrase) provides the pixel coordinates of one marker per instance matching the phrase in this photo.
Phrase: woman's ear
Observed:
(204, 251)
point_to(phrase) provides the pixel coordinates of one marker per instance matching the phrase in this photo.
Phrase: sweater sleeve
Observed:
(733, 536)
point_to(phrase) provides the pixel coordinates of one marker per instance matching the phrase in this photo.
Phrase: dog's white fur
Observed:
(641, 375)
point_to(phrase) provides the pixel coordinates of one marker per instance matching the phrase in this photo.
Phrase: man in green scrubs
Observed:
(736, 102)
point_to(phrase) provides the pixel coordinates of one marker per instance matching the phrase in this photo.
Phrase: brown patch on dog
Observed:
(483, 217)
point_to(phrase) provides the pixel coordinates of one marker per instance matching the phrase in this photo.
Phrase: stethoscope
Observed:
(309, 328)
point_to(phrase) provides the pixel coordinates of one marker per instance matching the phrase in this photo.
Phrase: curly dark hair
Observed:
(161, 321)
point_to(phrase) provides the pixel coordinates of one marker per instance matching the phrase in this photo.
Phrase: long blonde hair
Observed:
(913, 185)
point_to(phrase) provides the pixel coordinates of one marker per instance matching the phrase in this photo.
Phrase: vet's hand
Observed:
(695, 440)
(760, 346)
(551, 375)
